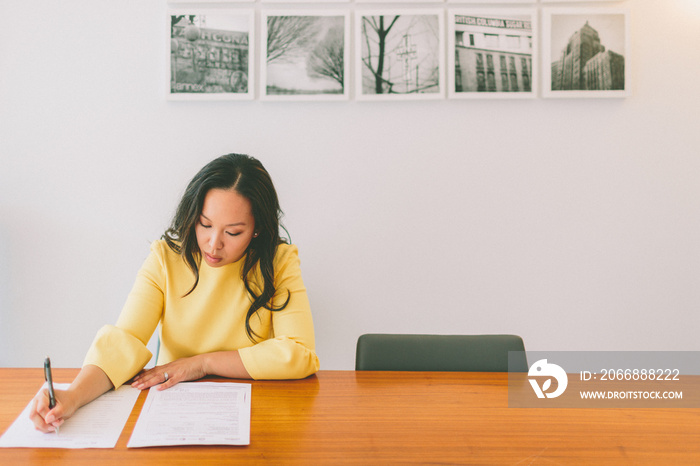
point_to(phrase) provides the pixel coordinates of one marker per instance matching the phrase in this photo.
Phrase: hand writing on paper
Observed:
(170, 374)
(46, 419)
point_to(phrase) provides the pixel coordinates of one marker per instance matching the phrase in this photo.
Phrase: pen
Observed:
(49, 380)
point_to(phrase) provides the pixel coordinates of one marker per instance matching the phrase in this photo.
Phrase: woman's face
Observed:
(225, 228)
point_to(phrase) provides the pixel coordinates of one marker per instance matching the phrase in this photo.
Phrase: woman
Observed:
(225, 288)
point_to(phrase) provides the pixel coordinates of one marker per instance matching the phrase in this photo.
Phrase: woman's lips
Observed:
(212, 259)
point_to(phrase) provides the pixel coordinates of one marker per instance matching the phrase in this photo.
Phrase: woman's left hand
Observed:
(167, 375)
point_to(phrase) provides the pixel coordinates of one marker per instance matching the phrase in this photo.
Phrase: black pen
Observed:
(49, 380)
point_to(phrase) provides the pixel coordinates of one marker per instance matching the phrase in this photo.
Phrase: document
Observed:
(195, 413)
(96, 425)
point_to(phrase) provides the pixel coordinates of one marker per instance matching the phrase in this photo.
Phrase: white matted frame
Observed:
(492, 53)
(305, 55)
(180, 2)
(369, 2)
(586, 52)
(496, 2)
(212, 54)
(399, 54)
(304, 1)
(578, 1)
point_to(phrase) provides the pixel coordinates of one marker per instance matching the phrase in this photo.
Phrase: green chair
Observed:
(467, 353)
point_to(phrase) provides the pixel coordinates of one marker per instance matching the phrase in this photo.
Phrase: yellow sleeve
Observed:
(120, 350)
(290, 351)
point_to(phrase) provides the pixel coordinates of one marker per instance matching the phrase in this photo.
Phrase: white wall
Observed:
(574, 223)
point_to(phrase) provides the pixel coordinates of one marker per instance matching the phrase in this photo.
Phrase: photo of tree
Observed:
(210, 54)
(306, 56)
(400, 55)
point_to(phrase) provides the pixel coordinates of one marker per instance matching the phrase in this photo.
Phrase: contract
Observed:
(98, 424)
(195, 413)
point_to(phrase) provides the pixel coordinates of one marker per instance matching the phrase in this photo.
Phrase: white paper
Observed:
(201, 413)
(98, 424)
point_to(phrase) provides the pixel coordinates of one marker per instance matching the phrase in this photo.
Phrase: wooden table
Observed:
(394, 417)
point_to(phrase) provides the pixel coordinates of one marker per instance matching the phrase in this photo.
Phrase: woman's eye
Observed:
(232, 234)
(204, 226)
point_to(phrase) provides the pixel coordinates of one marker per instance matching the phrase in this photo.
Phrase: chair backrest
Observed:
(468, 353)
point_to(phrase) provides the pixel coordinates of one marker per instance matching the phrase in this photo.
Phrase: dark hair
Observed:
(247, 177)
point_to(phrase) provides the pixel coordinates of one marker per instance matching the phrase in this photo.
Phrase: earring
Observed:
(255, 235)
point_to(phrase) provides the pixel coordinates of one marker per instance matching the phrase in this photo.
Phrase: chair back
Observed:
(467, 353)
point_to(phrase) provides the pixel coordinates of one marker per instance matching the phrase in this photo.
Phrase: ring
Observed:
(166, 377)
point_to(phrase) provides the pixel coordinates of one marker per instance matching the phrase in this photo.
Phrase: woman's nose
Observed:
(215, 241)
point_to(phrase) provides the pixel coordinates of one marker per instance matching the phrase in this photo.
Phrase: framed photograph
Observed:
(398, 1)
(492, 53)
(209, 1)
(399, 54)
(211, 54)
(586, 52)
(579, 1)
(305, 55)
(495, 2)
(304, 1)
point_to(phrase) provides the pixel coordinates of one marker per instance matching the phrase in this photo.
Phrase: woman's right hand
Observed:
(90, 383)
(46, 419)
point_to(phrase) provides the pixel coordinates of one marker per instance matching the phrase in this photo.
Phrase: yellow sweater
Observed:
(211, 318)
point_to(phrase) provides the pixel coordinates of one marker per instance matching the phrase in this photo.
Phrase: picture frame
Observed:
(492, 53)
(369, 2)
(586, 52)
(212, 54)
(579, 1)
(305, 55)
(180, 2)
(496, 2)
(399, 54)
(304, 1)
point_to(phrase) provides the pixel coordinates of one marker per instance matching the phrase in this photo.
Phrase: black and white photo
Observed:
(586, 52)
(492, 53)
(304, 1)
(398, 1)
(495, 2)
(209, 1)
(399, 55)
(305, 55)
(211, 54)
(579, 1)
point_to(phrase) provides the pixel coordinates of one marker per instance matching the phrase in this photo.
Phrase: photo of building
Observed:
(209, 54)
(493, 53)
(586, 62)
